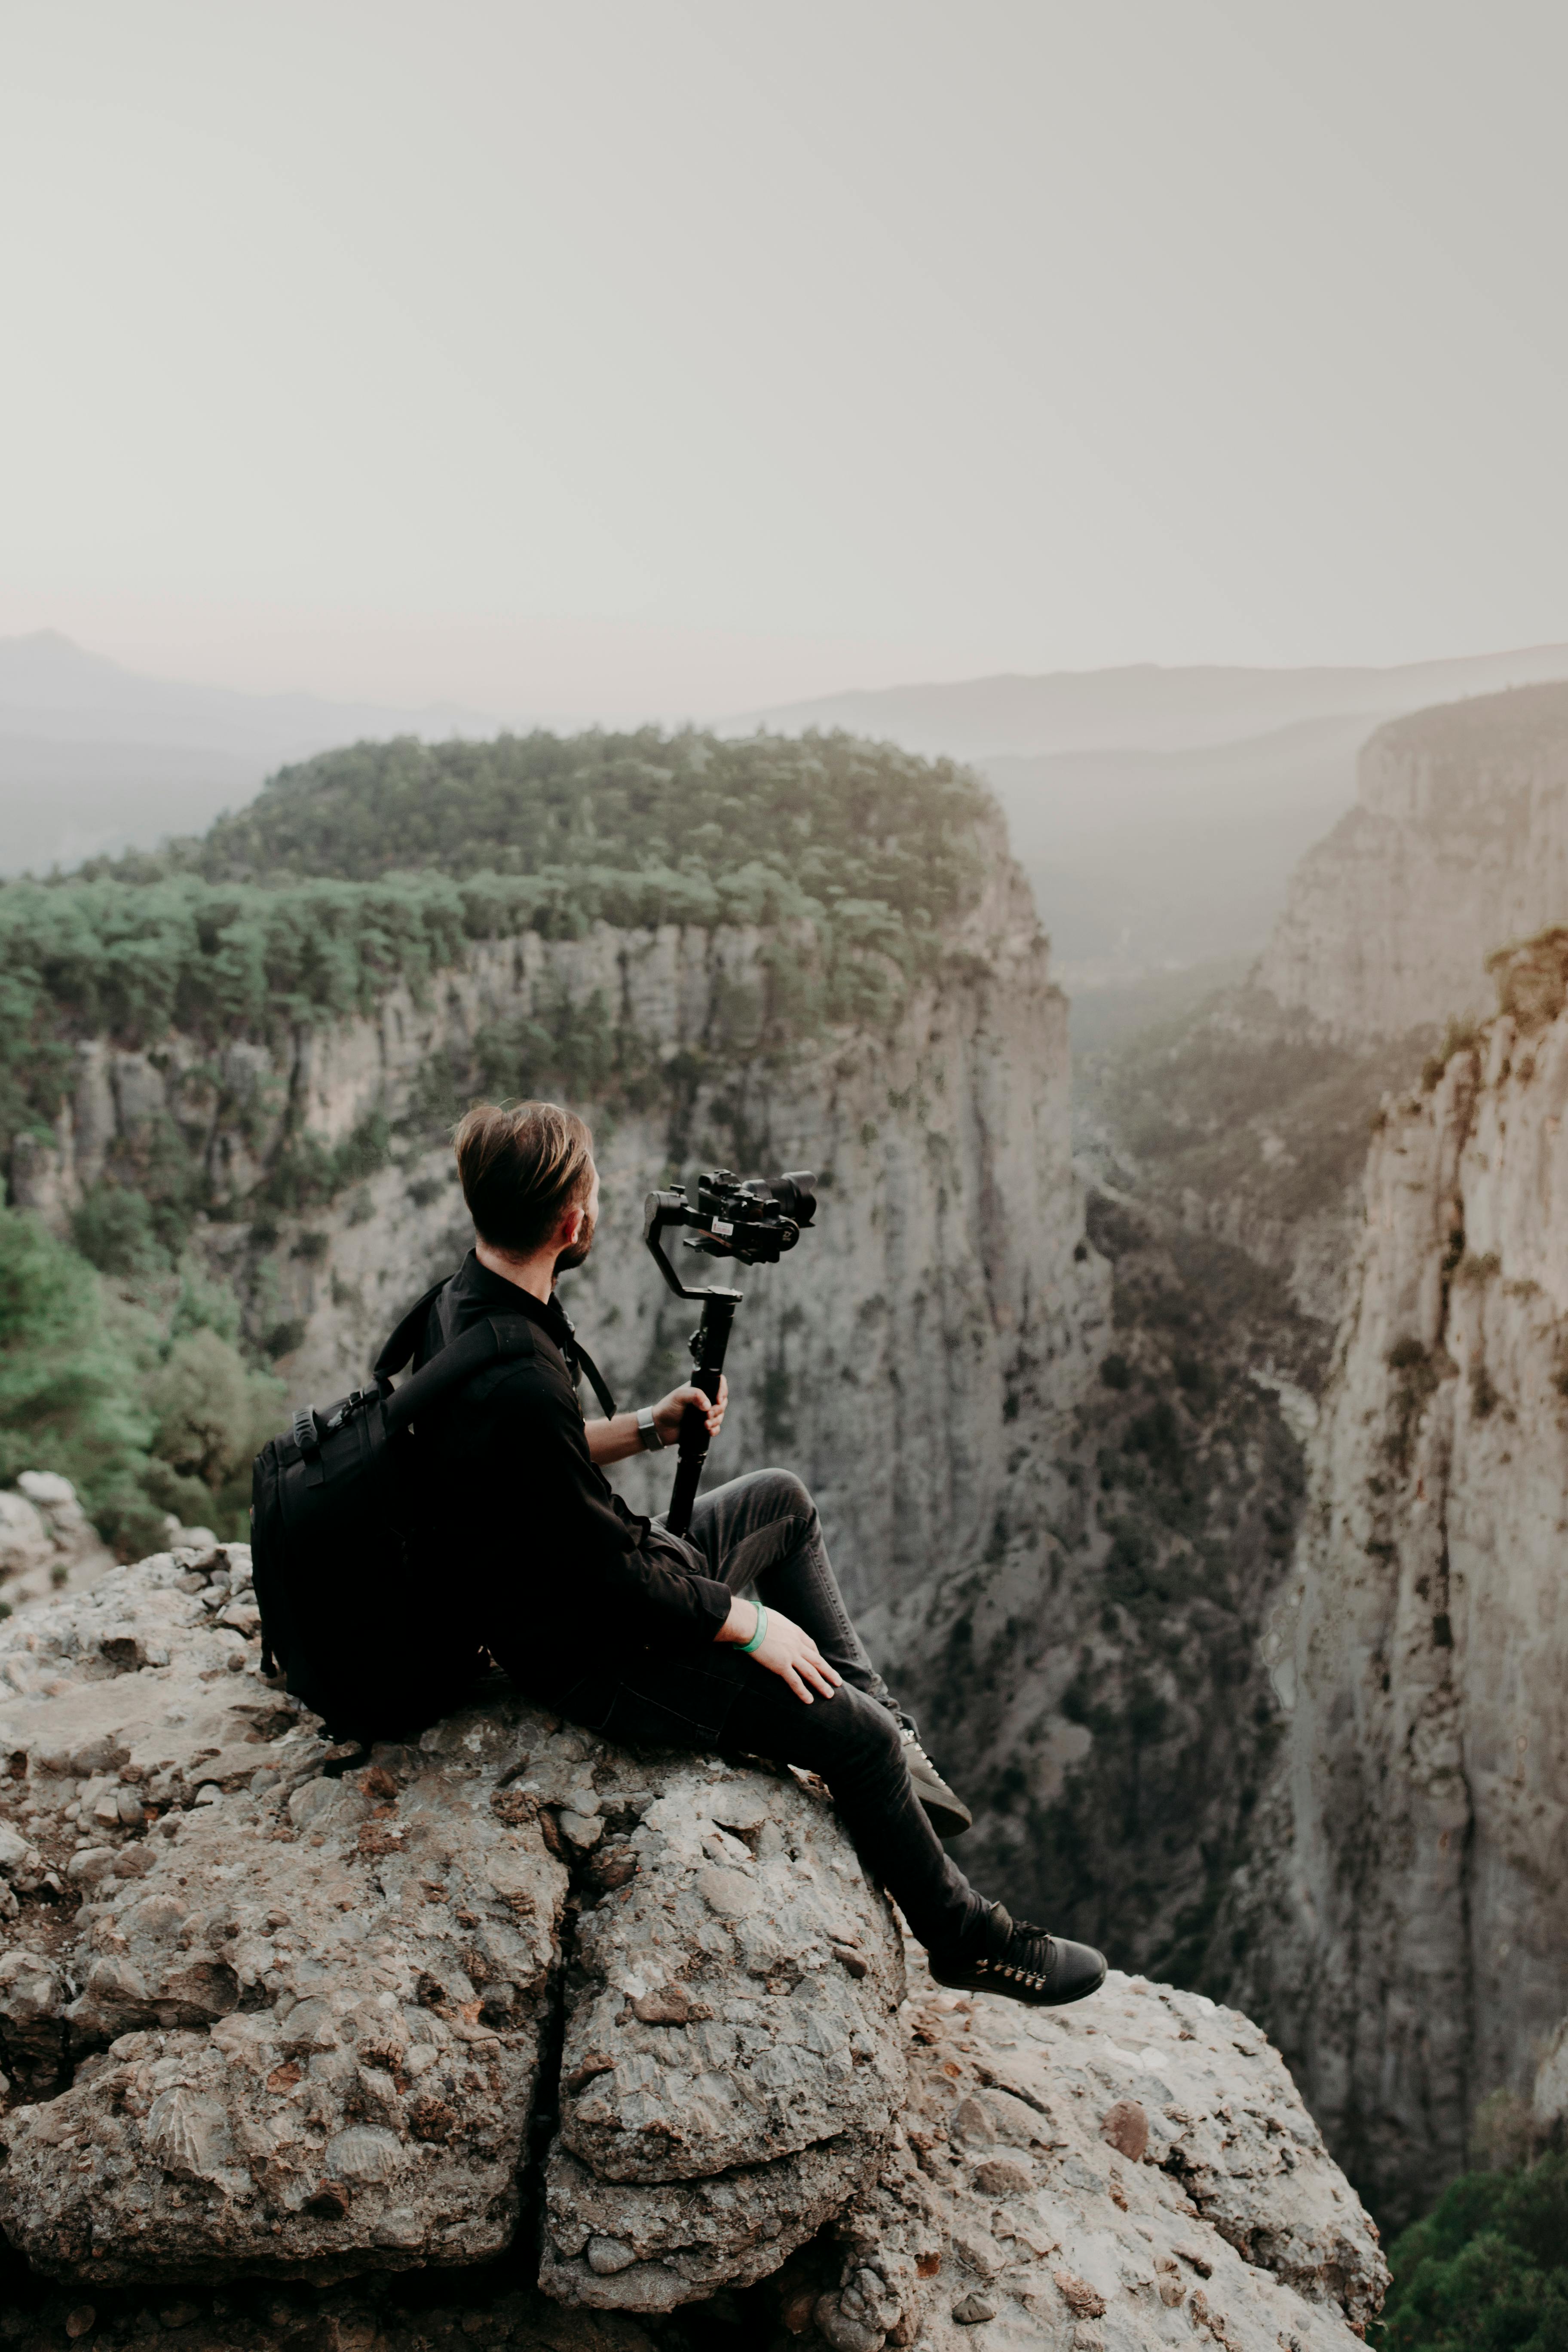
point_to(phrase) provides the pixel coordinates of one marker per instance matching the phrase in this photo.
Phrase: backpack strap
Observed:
(483, 1343)
(595, 1379)
(400, 1348)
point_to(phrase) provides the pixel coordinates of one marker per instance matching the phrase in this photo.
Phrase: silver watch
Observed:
(647, 1431)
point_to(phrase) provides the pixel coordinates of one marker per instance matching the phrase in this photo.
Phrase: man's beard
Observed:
(580, 1247)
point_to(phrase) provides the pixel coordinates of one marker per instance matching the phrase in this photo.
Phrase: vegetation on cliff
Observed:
(373, 867)
(1487, 2270)
(378, 865)
(136, 1391)
(820, 816)
(1245, 1108)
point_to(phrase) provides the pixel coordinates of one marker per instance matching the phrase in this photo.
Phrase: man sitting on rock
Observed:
(653, 1639)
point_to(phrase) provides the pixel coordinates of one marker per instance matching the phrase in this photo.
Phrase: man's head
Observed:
(529, 1179)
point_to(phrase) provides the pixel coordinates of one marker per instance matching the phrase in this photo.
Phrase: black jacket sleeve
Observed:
(626, 1582)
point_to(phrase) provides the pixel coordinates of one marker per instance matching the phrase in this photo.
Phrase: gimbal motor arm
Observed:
(660, 1212)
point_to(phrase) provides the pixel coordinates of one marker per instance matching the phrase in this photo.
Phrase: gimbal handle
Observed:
(709, 1342)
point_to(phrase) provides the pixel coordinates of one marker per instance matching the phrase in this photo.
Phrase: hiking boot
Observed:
(946, 1812)
(1021, 1963)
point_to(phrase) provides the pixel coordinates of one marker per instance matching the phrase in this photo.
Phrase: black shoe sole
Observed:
(945, 1820)
(960, 1979)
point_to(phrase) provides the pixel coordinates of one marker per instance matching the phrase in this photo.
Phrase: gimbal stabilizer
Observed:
(755, 1222)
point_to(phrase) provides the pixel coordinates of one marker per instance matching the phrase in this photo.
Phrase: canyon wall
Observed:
(1404, 1920)
(946, 1290)
(1458, 844)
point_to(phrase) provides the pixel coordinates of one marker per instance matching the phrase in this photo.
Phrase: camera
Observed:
(753, 1221)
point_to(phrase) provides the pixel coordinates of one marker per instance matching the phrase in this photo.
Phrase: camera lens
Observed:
(795, 1194)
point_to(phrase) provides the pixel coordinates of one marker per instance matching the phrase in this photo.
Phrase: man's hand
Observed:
(618, 1440)
(667, 1412)
(787, 1650)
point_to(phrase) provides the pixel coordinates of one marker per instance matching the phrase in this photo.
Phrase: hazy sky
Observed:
(630, 356)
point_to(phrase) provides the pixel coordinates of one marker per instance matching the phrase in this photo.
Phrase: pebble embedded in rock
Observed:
(1125, 2127)
(974, 2311)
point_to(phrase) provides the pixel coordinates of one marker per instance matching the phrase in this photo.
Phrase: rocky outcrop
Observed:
(297, 2022)
(270, 2009)
(1456, 846)
(48, 1544)
(1406, 1912)
(946, 1290)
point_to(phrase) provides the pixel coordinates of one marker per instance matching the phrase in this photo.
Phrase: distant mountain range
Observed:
(1143, 707)
(1158, 812)
(94, 759)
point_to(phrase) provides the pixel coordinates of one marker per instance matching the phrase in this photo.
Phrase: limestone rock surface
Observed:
(273, 2012)
(46, 1541)
(291, 2018)
(1124, 2174)
(1404, 1919)
(1456, 846)
(731, 2063)
(269, 2006)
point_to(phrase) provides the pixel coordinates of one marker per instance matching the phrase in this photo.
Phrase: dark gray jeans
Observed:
(763, 1531)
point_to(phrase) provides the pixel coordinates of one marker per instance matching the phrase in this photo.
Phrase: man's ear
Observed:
(571, 1225)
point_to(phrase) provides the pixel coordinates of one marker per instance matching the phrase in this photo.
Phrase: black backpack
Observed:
(337, 1508)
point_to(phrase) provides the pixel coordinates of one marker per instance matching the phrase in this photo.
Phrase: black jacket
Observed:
(548, 1569)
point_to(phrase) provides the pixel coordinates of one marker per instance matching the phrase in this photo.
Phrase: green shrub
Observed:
(210, 1412)
(114, 1231)
(69, 1385)
(1487, 2270)
(204, 1304)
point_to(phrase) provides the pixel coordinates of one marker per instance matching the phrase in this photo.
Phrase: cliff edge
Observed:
(292, 2036)
(1457, 844)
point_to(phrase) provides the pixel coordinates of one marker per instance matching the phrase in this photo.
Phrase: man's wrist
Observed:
(649, 1437)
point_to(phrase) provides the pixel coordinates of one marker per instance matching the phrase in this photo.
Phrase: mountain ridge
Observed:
(1145, 705)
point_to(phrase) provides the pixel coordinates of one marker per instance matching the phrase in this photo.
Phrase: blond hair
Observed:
(522, 1166)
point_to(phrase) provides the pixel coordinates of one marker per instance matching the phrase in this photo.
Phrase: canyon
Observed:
(1397, 1919)
(1210, 1522)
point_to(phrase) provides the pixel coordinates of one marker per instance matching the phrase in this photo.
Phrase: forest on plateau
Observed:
(122, 1363)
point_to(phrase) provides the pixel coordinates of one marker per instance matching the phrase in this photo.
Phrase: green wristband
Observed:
(759, 1637)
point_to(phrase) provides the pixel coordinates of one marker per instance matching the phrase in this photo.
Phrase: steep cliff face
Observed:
(1458, 844)
(1405, 1917)
(946, 1293)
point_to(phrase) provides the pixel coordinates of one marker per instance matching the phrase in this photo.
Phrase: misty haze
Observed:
(948, 634)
